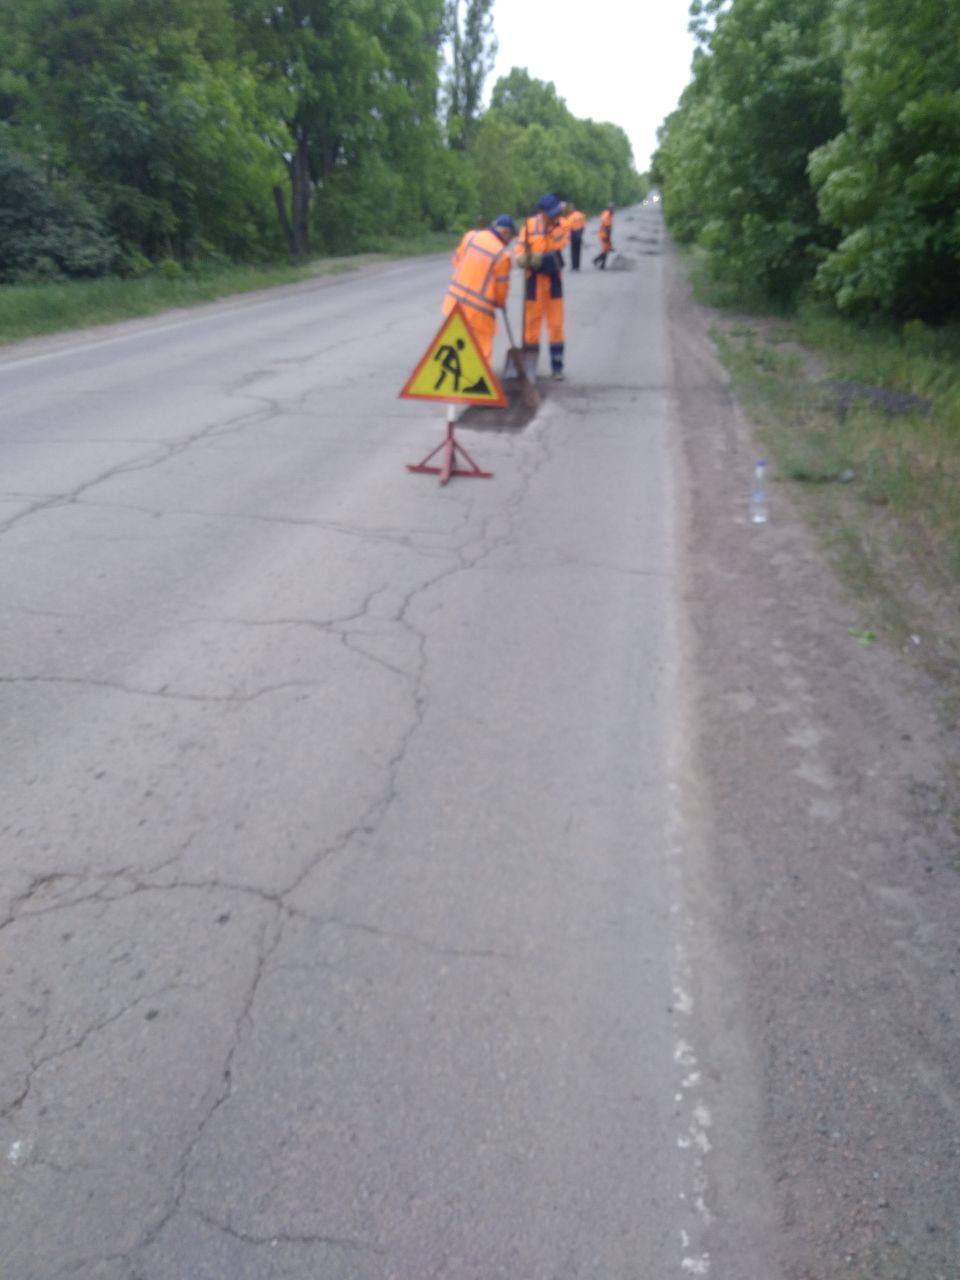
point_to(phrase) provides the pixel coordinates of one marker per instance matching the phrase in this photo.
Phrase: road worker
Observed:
(575, 224)
(481, 278)
(539, 251)
(606, 237)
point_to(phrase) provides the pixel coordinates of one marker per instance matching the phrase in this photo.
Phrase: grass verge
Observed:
(863, 423)
(30, 311)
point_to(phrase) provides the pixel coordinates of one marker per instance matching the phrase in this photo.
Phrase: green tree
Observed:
(352, 86)
(318, 60)
(143, 104)
(169, 152)
(890, 181)
(472, 50)
(243, 125)
(523, 100)
(412, 143)
(732, 159)
(531, 142)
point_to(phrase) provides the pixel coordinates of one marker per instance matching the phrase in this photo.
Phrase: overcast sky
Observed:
(626, 61)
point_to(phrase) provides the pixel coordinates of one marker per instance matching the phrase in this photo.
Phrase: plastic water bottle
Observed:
(20, 1151)
(759, 510)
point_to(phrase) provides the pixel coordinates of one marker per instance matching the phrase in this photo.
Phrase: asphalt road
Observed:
(349, 927)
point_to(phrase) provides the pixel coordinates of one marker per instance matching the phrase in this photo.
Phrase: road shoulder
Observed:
(825, 775)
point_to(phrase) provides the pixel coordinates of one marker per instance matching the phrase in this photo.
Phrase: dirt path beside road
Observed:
(827, 775)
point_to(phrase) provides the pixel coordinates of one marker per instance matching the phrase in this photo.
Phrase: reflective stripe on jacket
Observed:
(538, 236)
(481, 273)
(576, 221)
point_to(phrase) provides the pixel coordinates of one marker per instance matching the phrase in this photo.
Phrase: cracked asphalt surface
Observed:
(339, 923)
(389, 883)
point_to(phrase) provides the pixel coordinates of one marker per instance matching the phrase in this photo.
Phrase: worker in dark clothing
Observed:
(575, 224)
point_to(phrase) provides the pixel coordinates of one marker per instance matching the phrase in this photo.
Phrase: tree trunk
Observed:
(281, 203)
(300, 198)
(296, 224)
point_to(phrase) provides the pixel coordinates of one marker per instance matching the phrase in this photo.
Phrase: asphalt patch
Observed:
(513, 418)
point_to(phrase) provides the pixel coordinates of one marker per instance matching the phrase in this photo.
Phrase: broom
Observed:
(529, 395)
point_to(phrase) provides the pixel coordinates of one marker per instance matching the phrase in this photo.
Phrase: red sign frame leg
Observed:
(451, 449)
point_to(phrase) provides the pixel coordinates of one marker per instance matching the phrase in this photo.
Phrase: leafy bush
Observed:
(133, 264)
(169, 269)
(47, 231)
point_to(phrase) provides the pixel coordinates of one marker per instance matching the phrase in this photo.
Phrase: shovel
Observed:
(529, 395)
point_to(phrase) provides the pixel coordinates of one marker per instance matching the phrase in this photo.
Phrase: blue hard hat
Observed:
(550, 205)
(505, 221)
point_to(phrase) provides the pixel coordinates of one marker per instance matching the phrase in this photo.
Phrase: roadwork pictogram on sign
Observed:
(454, 368)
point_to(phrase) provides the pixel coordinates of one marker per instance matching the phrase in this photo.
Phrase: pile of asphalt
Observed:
(842, 394)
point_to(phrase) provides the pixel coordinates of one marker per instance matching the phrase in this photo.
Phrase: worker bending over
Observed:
(606, 237)
(481, 278)
(539, 252)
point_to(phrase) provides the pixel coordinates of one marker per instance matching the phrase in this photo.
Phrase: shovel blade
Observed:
(529, 395)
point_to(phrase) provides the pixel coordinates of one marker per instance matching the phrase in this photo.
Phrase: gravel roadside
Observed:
(827, 777)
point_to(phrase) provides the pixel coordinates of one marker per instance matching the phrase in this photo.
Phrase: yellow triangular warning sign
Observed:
(454, 368)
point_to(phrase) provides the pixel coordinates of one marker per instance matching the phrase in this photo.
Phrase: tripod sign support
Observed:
(454, 370)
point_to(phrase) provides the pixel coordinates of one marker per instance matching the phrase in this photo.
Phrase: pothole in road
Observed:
(513, 418)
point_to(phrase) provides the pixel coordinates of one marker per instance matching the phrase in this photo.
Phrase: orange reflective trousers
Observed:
(543, 299)
(606, 230)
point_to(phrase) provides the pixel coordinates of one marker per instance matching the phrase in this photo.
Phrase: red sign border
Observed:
(407, 394)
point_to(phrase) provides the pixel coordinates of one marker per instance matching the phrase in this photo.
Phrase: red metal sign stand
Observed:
(451, 449)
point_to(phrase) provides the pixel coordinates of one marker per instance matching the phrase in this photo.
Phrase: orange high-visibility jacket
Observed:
(543, 299)
(481, 274)
(575, 220)
(606, 225)
(538, 237)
